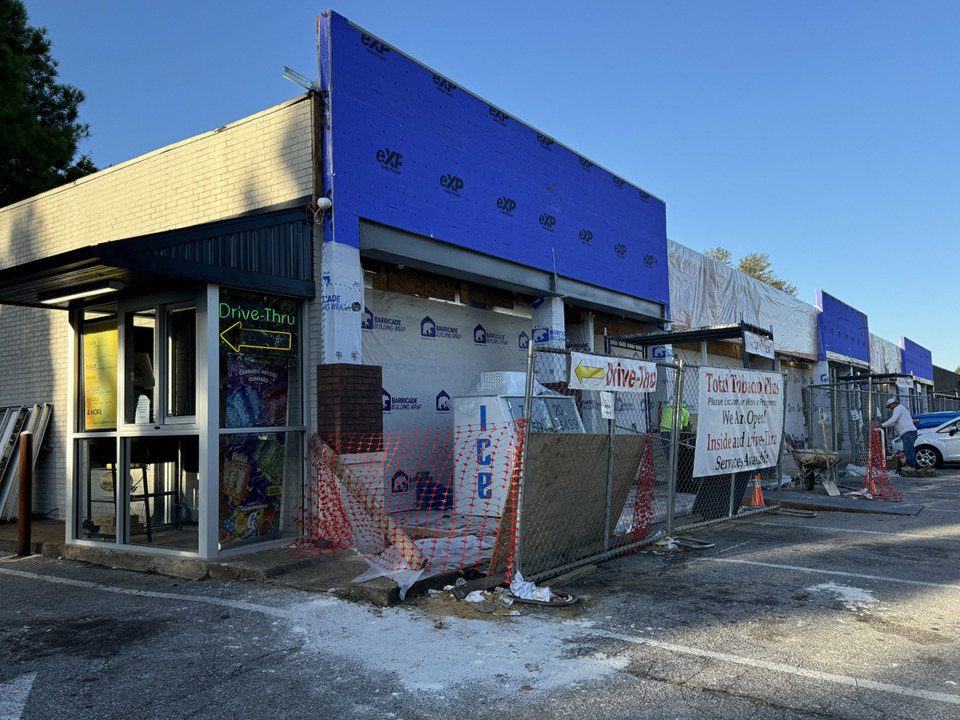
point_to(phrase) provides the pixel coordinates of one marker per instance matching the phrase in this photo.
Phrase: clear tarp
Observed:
(884, 355)
(704, 292)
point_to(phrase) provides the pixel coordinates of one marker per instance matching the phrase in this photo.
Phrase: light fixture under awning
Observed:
(79, 293)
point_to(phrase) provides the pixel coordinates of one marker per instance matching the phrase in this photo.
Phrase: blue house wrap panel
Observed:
(412, 150)
(842, 329)
(916, 360)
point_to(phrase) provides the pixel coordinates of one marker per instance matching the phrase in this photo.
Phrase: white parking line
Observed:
(819, 571)
(852, 531)
(13, 696)
(237, 604)
(834, 678)
(795, 671)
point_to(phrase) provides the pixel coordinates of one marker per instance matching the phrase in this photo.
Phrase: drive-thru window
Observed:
(189, 420)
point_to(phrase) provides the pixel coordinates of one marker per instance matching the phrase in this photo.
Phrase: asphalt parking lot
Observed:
(841, 615)
(850, 615)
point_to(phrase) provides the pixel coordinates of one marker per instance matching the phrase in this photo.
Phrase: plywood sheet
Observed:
(564, 495)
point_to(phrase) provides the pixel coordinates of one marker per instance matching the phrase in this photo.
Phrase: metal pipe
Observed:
(610, 449)
(674, 447)
(26, 494)
(733, 493)
(522, 477)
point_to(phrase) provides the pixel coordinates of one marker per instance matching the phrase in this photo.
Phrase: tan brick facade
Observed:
(251, 164)
(254, 163)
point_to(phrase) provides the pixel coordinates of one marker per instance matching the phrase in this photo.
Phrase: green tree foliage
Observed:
(39, 132)
(720, 255)
(756, 265)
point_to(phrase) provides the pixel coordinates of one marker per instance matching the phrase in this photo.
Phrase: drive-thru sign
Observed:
(596, 372)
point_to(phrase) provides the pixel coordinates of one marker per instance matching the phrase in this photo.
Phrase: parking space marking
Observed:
(839, 573)
(846, 680)
(236, 604)
(13, 696)
(852, 531)
(859, 683)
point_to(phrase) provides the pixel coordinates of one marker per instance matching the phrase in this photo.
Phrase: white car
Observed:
(936, 445)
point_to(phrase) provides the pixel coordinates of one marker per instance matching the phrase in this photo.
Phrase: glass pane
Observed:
(182, 363)
(259, 370)
(99, 397)
(259, 486)
(140, 361)
(96, 474)
(164, 491)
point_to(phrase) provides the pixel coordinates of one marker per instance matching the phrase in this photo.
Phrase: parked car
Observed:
(936, 445)
(933, 419)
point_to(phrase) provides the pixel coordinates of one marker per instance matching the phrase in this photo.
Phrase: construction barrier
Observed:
(408, 501)
(558, 475)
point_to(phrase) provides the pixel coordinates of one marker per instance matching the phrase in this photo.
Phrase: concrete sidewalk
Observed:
(281, 567)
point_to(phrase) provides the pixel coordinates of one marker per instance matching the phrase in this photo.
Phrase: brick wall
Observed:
(253, 163)
(33, 369)
(350, 406)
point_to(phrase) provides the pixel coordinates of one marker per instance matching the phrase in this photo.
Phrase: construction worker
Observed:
(666, 418)
(903, 425)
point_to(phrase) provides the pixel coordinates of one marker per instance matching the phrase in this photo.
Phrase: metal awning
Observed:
(269, 252)
(734, 331)
(717, 332)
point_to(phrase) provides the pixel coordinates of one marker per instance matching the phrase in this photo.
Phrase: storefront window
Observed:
(139, 483)
(139, 335)
(259, 389)
(253, 467)
(163, 484)
(96, 499)
(99, 372)
(182, 368)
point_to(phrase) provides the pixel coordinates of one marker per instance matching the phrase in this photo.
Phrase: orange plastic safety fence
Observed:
(644, 498)
(429, 499)
(877, 480)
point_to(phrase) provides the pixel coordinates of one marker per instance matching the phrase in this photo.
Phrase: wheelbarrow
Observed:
(815, 465)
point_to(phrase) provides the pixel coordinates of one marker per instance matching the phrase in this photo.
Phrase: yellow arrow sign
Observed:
(589, 372)
(237, 336)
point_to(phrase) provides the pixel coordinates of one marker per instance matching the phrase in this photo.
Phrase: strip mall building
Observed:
(347, 263)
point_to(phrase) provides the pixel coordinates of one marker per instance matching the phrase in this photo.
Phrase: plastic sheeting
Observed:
(704, 292)
(884, 355)
(432, 352)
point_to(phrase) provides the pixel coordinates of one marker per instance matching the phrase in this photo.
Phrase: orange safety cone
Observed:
(757, 493)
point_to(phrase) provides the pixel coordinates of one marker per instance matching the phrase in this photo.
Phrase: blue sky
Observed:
(824, 133)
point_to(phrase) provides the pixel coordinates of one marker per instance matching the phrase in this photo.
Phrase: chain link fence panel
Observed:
(708, 499)
(601, 482)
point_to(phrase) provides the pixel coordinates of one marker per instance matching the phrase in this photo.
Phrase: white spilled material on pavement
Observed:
(409, 647)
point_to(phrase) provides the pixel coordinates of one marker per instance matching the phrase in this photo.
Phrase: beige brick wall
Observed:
(253, 163)
(33, 369)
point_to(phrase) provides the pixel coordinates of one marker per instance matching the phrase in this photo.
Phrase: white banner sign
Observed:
(593, 372)
(757, 345)
(740, 421)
